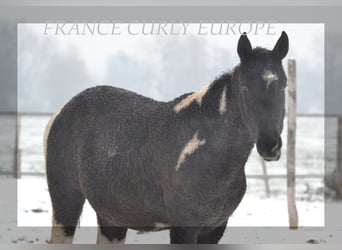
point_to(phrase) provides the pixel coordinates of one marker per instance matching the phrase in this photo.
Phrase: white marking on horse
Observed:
(115, 241)
(269, 76)
(57, 234)
(189, 149)
(102, 239)
(196, 96)
(159, 225)
(223, 101)
(47, 129)
(112, 151)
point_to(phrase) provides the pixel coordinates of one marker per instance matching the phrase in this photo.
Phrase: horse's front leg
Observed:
(183, 235)
(212, 235)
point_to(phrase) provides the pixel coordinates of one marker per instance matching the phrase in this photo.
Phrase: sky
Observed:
(57, 62)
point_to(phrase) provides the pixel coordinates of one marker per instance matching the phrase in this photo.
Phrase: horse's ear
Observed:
(282, 46)
(244, 48)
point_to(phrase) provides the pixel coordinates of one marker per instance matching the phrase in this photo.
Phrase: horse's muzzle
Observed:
(269, 149)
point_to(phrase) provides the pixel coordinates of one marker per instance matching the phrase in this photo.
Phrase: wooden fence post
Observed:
(17, 153)
(291, 145)
(338, 175)
(265, 176)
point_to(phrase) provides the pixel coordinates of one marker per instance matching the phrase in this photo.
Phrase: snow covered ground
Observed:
(257, 220)
(252, 212)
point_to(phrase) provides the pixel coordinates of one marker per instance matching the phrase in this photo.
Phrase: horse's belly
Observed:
(127, 201)
(132, 216)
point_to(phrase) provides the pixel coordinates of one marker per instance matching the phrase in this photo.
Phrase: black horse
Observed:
(178, 165)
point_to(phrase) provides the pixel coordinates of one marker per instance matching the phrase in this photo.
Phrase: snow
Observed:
(256, 220)
(252, 212)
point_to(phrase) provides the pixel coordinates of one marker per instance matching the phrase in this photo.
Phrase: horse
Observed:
(149, 165)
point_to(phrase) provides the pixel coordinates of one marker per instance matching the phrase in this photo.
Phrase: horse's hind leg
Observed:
(67, 208)
(107, 234)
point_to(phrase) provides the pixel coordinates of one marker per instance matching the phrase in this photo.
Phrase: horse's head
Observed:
(262, 81)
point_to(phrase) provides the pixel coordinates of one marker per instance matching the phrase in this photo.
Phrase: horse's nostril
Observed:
(269, 146)
(275, 148)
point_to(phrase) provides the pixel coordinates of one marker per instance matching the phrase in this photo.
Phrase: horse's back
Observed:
(100, 100)
(101, 120)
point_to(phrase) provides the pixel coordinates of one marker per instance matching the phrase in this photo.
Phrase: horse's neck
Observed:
(235, 107)
(216, 106)
(223, 100)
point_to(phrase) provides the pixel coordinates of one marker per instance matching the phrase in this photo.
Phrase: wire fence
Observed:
(21, 151)
(21, 138)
